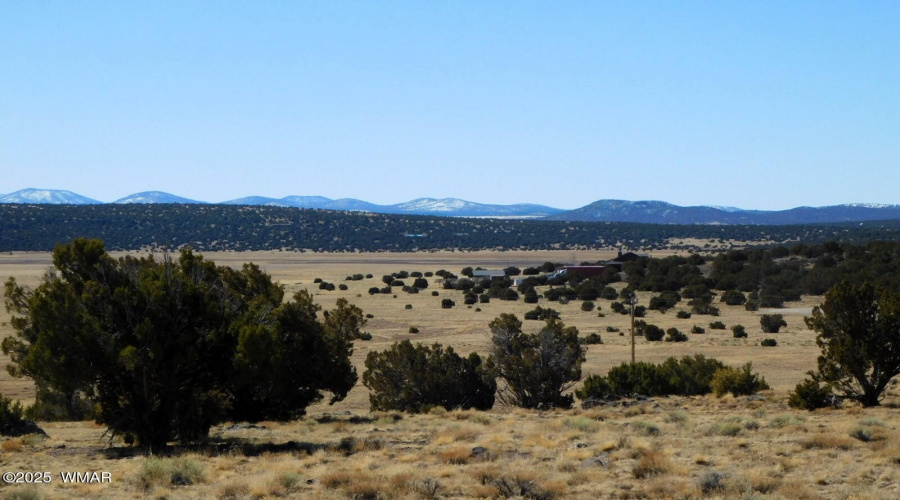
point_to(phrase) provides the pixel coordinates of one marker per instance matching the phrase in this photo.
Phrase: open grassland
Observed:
(666, 448)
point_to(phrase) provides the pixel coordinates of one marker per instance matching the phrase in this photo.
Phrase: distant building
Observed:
(488, 274)
(625, 257)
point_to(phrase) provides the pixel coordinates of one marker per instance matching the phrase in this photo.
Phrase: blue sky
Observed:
(763, 105)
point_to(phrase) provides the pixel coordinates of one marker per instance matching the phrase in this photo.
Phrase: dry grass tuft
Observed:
(652, 463)
(826, 441)
(12, 446)
(457, 455)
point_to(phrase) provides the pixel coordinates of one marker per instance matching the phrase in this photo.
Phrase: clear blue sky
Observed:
(752, 104)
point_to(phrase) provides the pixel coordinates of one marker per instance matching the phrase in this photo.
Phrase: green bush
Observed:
(10, 415)
(697, 329)
(809, 395)
(413, 329)
(542, 314)
(683, 315)
(739, 332)
(587, 306)
(769, 343)
(771, 323)
(717, 325)
(447, 304)
(434, 293)
(653, 333)
(737, 381)
(674, 335)
(688, 376)
(592, 339)
(415, 378)
(612, 329)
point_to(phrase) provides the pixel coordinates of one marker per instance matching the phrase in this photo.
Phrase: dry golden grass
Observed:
(666, 448)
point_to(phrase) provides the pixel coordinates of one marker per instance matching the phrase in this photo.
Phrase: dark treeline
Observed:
(225, 227)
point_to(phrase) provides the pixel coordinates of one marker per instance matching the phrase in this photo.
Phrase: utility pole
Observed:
(633, 300)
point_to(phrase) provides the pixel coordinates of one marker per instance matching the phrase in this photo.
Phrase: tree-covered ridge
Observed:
(220, 227)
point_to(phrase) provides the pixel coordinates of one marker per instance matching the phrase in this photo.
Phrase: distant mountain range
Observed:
(660, 212)
(451, 207)
(653, 212)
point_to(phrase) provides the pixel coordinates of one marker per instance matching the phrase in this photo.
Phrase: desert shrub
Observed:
(697, 329)
(541, 313)
(434, 293)
(408, 306)
(317, 280)
(413, 329)
(645, 428)
(771, 323)
(484, 298)
(530, 297)
(617, 307)
(536, 368)
(863, 434)
(370, 316)
(420, 283)
(398, 283)
(733, 298)
(809, 395)
(415, 378)
(653, 333)
(738, 381)
(612, 329)
(609, 293)
(739, 332)
(386, 290)
(365, 336)
(717, 325)
(683, 315)
(509, 294)
(592, 339)
(342, 286)
(674, 335)
(470, 298)
(447, 304)
(768, 343)
(10, 415)
(587, 306)
(369, 276)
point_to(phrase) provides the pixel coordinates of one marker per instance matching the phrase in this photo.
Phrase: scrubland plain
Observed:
(702, 447)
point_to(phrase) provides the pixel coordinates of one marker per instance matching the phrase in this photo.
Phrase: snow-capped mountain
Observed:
(257, 200)
(47, 196)
(156, 197)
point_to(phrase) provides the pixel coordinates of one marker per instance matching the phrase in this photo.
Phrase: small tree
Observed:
(859, 335)
(771, 323)
(536, 368)
(415, 378)
(739, 332)
(587, 306)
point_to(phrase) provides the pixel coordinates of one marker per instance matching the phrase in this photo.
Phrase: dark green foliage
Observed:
(387, 279)
(397, 283)
(734, 298)
(738, 381)
(858, 331)
(810, 395)
(739, 332)
(697, 329)
(369, 276)
(674, 335)
(509, 294)
(771, 323)
(413, 329)
(554, 294)
(427, 274)
(434, 293)
(10, 415)
(408, 306)
(342, 286)
(768, 343)
(683, 315)
(530, 297)
(587, 306)
(467, 271)
(484, 298)
(169, 348)
(536, 368)
(386, 290)
(420, 283)
(415, 274)
(470, 298)
(688, 376)
(541, 313)
(653, 333)
(531, 271)
(618, 307)
(592, 339)
(317, 280)
(447, 303)
(665, 301)
(611, 329)
(717, 325)
(512, 271)
(609, 293)
(415, 378)
(703, 305)
(640, 311)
